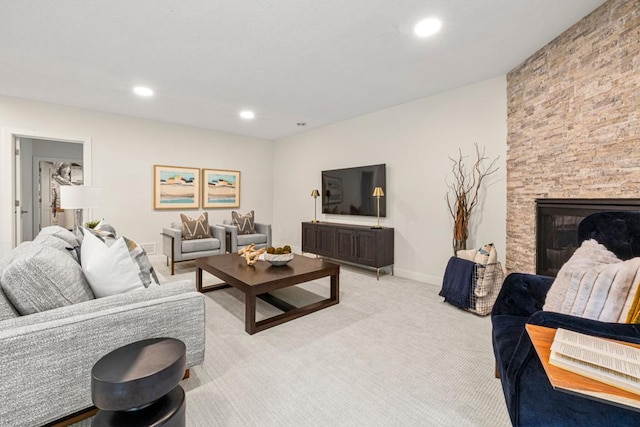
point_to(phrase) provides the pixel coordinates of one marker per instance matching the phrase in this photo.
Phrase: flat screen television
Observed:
(350, 191)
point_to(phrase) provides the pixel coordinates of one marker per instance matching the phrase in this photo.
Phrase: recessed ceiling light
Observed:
(427, 27)
(247, 114)
(143, 91)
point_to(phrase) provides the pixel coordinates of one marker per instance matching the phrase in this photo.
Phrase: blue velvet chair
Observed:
(530, 399)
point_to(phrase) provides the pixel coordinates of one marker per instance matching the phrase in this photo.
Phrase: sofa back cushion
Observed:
(40, 278)
(60, 233)
(6, 309)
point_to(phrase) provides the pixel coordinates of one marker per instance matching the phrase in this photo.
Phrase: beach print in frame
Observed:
(221, 188)
(176, 187)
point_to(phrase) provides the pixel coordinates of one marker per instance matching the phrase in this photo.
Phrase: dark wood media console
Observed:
(357, 244)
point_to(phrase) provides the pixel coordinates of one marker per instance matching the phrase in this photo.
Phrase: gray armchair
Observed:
(261, 238)
(177, 250)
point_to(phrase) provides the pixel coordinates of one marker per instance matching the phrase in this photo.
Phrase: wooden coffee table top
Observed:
(262, 276)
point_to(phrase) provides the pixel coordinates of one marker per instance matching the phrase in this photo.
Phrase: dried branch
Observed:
(463, 193)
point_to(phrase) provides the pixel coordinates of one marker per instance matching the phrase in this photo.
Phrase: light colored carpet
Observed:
(390, 354)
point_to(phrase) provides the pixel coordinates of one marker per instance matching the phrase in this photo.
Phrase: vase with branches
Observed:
(464, 191)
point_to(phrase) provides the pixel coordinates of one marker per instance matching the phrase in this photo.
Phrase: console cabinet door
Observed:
(365, 247)
(325, 241)
(308, 237)
(345, 247)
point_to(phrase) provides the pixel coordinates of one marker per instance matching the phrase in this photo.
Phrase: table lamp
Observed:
(315, 194)
(377, 193)
(79, 197)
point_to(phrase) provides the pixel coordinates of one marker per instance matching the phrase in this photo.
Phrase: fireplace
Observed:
(557, 227)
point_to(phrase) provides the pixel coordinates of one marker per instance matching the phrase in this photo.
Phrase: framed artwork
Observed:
(333, 190)
(176, 187)
(220, 188)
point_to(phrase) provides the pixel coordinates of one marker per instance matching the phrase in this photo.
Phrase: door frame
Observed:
(8, 194)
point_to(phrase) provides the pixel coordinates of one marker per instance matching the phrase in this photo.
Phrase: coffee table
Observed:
(258, 280)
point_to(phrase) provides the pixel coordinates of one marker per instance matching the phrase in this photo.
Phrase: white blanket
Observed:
(595, 284)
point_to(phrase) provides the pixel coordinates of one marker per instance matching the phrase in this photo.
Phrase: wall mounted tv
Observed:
(349, 191)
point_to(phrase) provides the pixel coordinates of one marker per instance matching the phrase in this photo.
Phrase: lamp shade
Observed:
(80, 196)
(377, 192)
(315, 193)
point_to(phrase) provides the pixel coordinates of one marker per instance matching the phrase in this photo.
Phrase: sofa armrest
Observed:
(629, 332)
(172, 243)
(522, 294)
(529, 396)
(520, 354)
(48, 363)
(264, 229)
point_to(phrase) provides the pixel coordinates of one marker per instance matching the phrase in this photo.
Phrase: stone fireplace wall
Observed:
(573, 119)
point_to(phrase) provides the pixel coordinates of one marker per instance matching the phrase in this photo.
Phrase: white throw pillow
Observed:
(110, 269)
(594, 284)
(589, 255)
(468, 254)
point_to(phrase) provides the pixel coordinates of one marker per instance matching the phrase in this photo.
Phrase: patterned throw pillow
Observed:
(105, 229)
(245, 223)
(195, 228)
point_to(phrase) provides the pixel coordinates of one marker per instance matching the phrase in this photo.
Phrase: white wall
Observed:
(415, 141)
(124, 151)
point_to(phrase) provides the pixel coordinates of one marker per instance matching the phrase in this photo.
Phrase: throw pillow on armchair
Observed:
(195, 228)
(245, 223)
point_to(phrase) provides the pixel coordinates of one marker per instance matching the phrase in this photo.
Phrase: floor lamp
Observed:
(377, 193)
(79, 197)
(315, 194)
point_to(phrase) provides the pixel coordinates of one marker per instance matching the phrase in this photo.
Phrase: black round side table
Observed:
(138, 385)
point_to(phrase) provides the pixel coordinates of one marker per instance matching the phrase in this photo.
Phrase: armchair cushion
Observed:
(195, 228)
(198, 245)
(245, 223)
(255, 238)
(261, 238)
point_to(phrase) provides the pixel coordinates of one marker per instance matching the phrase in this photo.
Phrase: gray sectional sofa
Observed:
(52, 329)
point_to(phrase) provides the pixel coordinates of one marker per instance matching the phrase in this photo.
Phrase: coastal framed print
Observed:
(176, 187)
(220, 188)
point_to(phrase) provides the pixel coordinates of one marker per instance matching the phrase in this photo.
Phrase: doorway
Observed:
(48, 176)
(12, 177)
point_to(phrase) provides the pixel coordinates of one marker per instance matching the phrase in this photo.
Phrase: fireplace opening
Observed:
(557, 223)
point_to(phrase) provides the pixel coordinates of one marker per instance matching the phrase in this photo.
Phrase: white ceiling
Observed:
(313, 61)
